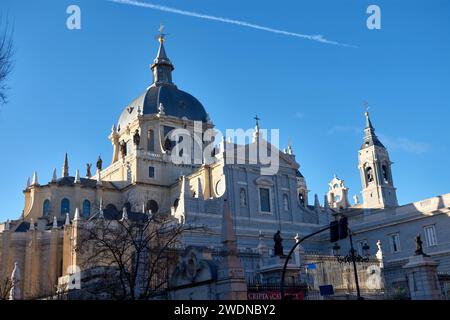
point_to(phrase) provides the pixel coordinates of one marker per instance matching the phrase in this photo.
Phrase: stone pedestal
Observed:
(422, 278)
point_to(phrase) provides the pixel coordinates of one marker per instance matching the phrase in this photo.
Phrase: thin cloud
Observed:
(317, 37)
(392, 143)
(405, 144)
(345, 129)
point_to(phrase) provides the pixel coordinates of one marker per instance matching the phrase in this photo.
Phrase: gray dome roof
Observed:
(176, 103)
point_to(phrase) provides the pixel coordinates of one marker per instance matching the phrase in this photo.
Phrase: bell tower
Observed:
(378, 189)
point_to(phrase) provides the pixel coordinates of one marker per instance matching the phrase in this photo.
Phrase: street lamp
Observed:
(352, 253)
(352, 257)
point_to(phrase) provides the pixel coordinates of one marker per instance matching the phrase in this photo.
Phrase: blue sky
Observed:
(69, 87)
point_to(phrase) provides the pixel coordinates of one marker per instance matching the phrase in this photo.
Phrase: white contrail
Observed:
(318, 37)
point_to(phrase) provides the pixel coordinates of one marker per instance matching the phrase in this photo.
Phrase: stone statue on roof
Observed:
(136, 138)
(99, 164)
(88, 170)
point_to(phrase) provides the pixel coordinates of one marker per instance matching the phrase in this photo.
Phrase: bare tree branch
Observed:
(6, 57)
(138, 252)
(5, 287)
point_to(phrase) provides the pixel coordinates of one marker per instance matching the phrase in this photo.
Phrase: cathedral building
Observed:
(143, 177)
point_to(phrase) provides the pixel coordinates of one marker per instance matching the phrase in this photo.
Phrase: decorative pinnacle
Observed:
(65, 171)
(35, 181)
(76, 216)
(289, 148)
(77, 176)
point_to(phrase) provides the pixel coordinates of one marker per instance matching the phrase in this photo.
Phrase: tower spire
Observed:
(370, 138)
(65, 170)
(162, 67)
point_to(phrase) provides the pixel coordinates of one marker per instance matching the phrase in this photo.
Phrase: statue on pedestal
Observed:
(136, 138)
(419, 248)
(123, 149)
(278, 248)
(14, 292)
(88, 170)
(99, 164)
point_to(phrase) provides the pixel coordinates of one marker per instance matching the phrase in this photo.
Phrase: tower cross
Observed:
(366, 106)
(257, 120)
(161, 36)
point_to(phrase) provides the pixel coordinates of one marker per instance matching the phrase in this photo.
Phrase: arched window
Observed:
(153, 206)
(385, 170)
(167, 145)
(285, 202)
(243, 197)
(301, 198)
(65, 206)
(369, 174)
(46, 208)
(150, 141)
(175, 203)
(86, 208)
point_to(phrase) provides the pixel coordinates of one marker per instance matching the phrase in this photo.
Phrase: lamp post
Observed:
(283, 273)
(353, 257)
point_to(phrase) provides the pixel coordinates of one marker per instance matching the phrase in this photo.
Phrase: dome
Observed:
(175, 102)
(163, 92)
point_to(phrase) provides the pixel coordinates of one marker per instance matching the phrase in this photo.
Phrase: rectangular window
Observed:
(430, 235)
(150, 141)
(151, 172)
(394, 240)
(264, 197)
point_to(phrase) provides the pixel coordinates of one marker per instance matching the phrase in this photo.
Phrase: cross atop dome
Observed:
(162, 67)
